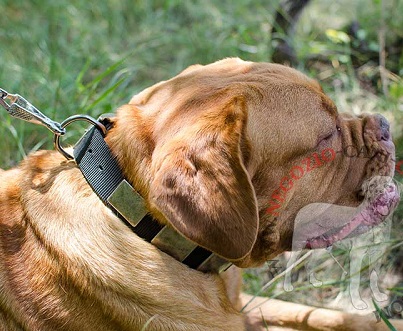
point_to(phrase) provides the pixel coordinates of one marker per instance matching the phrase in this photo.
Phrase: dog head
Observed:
(228, 154)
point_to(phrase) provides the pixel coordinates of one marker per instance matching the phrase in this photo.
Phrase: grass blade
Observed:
(383, 316)
(105, 73)
(105, 94)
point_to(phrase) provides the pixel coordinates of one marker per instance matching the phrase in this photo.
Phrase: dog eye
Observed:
(327, 137)
(330, 135)
(324, 140)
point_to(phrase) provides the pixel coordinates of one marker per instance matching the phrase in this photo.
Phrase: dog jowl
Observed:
(363, 150)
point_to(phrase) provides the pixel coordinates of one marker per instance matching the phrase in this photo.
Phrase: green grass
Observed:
(71, 57)
(383, 317)
(57, 54)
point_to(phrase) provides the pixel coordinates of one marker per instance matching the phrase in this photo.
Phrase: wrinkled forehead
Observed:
(280, 85)
(286, 86)
(283, 104)
(287, 112)
(236, 70)
(242, 78)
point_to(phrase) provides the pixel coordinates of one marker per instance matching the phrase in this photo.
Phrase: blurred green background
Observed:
(71, 57)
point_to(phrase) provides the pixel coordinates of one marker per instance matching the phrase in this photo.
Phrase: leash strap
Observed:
(102, 172)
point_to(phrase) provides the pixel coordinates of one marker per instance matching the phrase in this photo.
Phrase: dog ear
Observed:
(200, 183)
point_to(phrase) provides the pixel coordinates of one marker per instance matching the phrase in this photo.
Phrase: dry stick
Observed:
(382, 52)
(268, 284)
(294, 316)
(338, 263)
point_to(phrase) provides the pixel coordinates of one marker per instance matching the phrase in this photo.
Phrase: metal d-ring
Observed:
(68, 121)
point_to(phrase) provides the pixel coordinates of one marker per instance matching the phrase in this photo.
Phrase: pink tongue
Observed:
(383, 210)
(326, 241)
(371, 216)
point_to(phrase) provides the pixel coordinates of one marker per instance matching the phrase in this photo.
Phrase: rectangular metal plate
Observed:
(128, 202)
(170, 241)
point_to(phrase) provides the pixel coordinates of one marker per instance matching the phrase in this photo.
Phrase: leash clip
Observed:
(23, 110)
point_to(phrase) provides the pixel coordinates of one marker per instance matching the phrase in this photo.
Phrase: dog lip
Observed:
(373, 214)
(388, 147)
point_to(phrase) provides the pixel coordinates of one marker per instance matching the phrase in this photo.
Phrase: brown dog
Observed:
(207, 150)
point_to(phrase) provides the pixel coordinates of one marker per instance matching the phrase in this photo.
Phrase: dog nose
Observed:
(380, 125)
(384, 127)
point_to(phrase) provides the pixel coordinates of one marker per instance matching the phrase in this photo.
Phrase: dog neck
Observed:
(103, 173)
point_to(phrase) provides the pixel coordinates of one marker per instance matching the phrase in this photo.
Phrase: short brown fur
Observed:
(206, 150)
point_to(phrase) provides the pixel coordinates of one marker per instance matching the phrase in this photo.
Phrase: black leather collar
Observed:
(102, 172)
